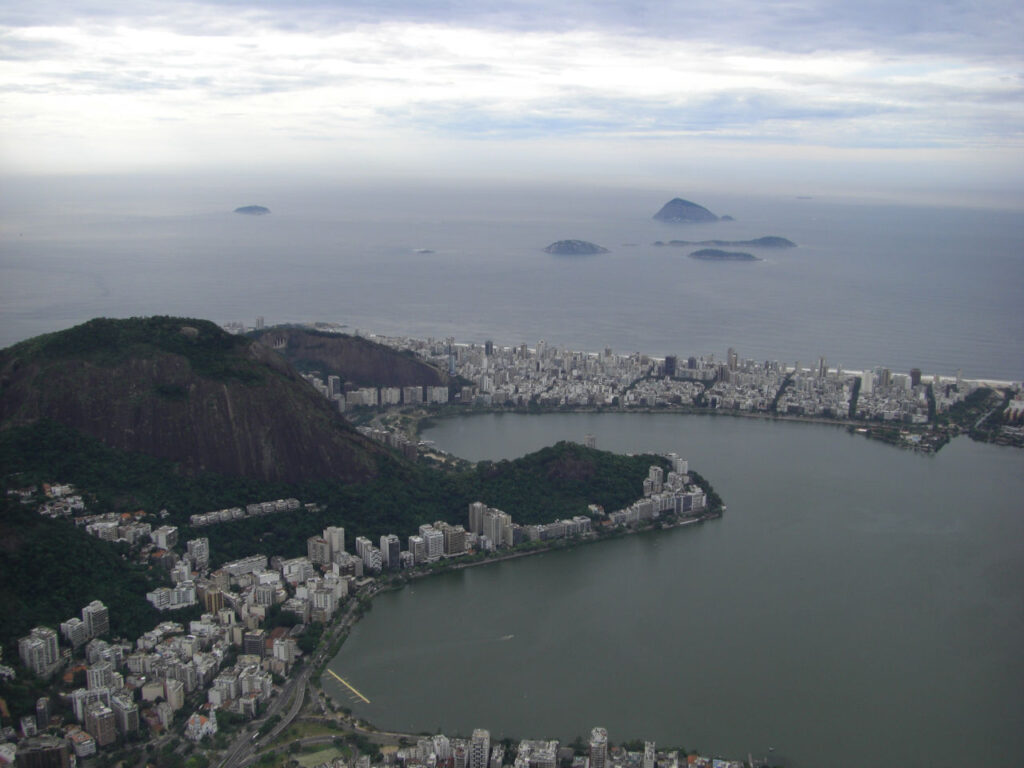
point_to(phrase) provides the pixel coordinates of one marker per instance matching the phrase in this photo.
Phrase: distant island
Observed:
(713, 254)
(761, 242)
(574, 248)
(677, 210)
(253, 210)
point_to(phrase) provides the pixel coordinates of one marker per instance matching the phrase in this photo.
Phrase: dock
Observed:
(348, 685)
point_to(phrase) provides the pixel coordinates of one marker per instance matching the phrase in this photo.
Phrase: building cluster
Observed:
(440, 751)
(673, 494)
(547, 376)
(333, 388)
(256, 509)
(394, 438)
(151, 680)
(59, 499)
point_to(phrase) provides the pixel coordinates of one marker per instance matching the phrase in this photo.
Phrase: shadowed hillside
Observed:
(184, 390)
(359, 362)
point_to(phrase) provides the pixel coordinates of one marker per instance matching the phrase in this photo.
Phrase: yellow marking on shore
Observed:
(348, 685)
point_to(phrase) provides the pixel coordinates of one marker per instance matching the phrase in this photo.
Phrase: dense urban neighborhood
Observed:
(241, 638)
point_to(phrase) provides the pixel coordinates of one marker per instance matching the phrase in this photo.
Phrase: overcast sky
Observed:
(896, 96)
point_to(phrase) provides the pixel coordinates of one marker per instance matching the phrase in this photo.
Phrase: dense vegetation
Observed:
(106, 341)
(52, 569)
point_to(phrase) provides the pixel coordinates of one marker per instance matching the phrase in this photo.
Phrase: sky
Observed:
(903, 97)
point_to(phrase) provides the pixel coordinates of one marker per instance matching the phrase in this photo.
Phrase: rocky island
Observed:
(574, 248)
(253, 210)
(677, 210)
(761, 242)
(713, 254)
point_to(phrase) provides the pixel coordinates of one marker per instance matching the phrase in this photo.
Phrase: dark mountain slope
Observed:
(183, 390)
(357, 361)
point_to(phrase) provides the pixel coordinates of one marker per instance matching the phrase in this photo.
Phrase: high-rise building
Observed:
(39, 650)
(598, 748)
(822, 367)
(255, 642)
(671, 363)
(99, 675)
(390, 550)
(199, 553)
(166, 536)
(335, 536)
(480, 748)
(126, 713)
(97, 618)
(648, 755)
(318, 549)
(361, 542)
(476, 517)
(43, 712)
(433, 541)
(915, 377)
(42, 752)
(418, 548)
(454, 539)
(101, 724)
(75, 631)
(497, 527)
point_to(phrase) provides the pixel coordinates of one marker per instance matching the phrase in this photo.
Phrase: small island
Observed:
(574, 248)
(713, 254)
(761, 242)
(679, 210)
(253, 210)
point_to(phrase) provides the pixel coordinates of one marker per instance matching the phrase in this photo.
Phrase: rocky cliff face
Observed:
(186, 391)
(357, 361)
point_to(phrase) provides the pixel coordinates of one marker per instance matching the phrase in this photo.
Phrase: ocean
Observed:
(871, 284)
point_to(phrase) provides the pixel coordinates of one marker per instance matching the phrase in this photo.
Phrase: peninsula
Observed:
(574, 248)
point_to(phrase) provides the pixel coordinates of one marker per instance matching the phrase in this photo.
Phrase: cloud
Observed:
(143, 79)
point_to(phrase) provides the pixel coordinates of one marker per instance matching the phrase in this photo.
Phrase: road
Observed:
(245, 747)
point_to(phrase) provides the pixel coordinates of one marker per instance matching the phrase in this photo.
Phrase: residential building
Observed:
(39, 651)
(480, 749)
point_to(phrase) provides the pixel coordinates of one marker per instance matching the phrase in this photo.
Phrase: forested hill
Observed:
(184, 390)
(357, 361)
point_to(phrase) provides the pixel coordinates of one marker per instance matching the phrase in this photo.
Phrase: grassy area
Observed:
(303, 730)
(323, 755)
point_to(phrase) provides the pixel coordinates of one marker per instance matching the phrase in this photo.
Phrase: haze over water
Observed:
(871, 283)
(856, 604)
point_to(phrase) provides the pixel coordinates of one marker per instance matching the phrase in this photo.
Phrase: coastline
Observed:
(337, 632)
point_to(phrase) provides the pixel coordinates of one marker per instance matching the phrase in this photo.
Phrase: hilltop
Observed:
(677, 210)
(186, 391)
(574, 248)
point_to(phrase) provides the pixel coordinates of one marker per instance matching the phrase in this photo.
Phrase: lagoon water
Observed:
(857, 603)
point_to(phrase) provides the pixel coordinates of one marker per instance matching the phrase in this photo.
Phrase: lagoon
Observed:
(857, 602)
